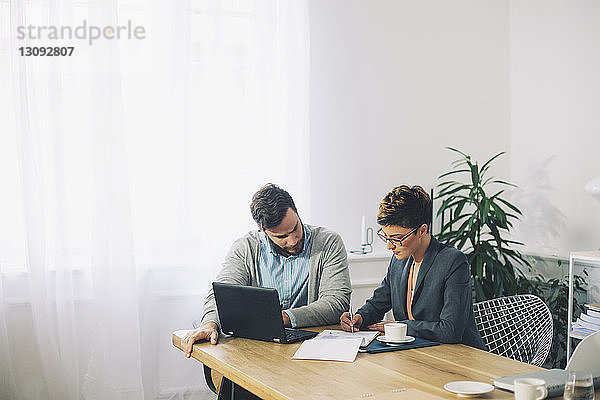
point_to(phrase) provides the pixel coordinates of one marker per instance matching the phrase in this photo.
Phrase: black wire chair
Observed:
(517, 327)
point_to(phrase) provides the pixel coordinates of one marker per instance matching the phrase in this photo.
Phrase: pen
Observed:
(351, 317)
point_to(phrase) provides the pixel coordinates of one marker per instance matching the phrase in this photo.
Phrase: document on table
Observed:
(367, 336)
(329, 350)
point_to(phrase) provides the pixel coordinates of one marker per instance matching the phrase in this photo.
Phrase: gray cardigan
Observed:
(442, 304)
(328, 277)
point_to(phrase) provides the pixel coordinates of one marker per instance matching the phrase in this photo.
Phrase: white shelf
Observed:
(369, 257)
(592, 259)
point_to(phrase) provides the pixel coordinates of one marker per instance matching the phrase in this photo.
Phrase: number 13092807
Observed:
(46, 51)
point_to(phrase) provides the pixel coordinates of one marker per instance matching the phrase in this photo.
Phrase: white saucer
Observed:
(468, 388)
(407, 339)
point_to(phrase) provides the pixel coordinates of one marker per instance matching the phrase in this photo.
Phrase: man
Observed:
(306, 264)
(428, 284)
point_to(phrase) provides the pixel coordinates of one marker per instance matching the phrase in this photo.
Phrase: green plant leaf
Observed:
(505, 183)
(496, 234)
(475, 175)
(446, 183)
(500, 216)
(459, 208)
(448, 225)
(458, 171)
(514, 242)
(479, 293)
(485, 211)
(452, 189)
(487, 181)
(447, 204)
(497, 194)
(509, 205)
(479, 266)
(488, 162)
(458, 151)
(459, 162)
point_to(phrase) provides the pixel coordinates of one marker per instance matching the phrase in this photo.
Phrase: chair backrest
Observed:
(517, 327)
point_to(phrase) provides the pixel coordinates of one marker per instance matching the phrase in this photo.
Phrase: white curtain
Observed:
(126, 172)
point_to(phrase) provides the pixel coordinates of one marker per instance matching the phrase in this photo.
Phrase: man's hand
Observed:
(379, 326)
(347, 324)
(207, 331)
(286, 319)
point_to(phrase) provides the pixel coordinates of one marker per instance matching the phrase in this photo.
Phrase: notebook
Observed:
(377, 347)
(254, 313)
(585, 357)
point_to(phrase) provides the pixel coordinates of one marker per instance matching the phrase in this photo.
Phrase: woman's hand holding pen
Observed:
(348, 324)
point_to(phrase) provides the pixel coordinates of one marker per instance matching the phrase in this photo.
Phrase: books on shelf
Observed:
(593, 307)
(585, 325)
(580, 330)
(589, 321)
(592, 313)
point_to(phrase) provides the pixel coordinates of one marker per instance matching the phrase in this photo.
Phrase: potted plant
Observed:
(478, 224)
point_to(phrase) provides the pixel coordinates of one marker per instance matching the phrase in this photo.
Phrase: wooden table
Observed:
(267, 370)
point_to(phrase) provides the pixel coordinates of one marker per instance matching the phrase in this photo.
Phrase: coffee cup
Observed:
(530, 389)
(395, 331)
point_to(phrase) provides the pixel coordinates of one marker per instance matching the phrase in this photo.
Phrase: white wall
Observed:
(392, 84)
(555, 121)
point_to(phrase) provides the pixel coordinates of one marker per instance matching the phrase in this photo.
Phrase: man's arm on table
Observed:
(207, 331)
(233, 271)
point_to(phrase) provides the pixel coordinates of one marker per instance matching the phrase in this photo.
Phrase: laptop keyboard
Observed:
(293, 334)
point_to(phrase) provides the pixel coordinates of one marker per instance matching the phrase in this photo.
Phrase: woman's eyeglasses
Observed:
(396, 241)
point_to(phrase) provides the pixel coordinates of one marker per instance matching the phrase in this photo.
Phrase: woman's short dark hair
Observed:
(408, 207)
(269, 206)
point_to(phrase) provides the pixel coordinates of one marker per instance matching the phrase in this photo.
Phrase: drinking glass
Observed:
(579, 386)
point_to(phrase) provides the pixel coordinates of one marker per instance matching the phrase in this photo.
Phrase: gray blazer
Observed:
(328, 277)
(442, 304)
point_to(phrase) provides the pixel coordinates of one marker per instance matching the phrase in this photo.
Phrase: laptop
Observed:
(254, 313)
(585, 357)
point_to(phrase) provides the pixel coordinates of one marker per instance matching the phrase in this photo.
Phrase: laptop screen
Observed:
(253, 313)
(248, 311)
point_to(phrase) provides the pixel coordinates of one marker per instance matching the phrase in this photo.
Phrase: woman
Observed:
(427, 285)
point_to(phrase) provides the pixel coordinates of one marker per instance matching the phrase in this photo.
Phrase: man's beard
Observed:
(290, 251)
(297, 249)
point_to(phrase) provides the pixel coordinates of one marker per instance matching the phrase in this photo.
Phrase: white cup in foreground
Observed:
(530, 389)
(395, 331)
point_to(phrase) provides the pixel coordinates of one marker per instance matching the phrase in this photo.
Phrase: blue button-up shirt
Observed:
(289, 275)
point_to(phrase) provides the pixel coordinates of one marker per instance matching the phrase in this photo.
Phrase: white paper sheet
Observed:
(330, 350)
(366, 336)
